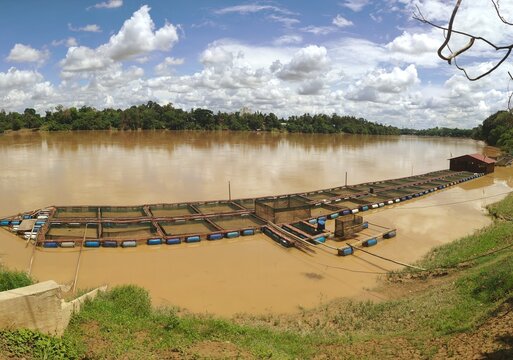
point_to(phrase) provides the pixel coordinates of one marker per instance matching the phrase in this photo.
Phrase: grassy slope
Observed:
(122, 322)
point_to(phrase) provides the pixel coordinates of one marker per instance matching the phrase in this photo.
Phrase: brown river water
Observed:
(251, 274)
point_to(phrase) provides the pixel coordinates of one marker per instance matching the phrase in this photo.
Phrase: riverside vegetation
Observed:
(460, 307)
(152, 116)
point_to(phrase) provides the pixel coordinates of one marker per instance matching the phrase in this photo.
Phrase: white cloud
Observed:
(25, 53)
(319, 30)
(288, 22)
(306, 63)
(88, 28)
(136, 37)
(164, 67)
(355, 5)
(311, 87)
(381, 86)
(409, 43)
(288, 39)
(110, 4)
(20, 79)
(251, 8)
(341, 22)
(69, 42)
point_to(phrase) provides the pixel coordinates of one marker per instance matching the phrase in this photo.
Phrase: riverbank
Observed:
(253, 274)
(461, 307)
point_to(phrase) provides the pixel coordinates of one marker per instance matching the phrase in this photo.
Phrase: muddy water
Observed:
(250, 274)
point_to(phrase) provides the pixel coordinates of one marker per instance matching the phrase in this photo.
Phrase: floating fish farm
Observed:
(291, 220)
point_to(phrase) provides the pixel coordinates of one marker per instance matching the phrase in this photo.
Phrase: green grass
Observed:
(123, 320)
(13, 279)
(25, 343)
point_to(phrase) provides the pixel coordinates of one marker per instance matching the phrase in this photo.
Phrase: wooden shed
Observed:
(476, 163)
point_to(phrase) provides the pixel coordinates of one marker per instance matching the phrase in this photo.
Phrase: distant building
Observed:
(476, 163)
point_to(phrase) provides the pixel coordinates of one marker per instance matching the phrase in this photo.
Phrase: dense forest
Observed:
(496, 130)
(154, 116)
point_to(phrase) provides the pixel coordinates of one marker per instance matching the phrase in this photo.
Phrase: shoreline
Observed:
(256, 276)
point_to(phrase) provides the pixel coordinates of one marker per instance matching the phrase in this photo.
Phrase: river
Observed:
(250, 274)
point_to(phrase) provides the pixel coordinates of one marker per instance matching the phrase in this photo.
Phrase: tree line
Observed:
(152, 116)
(497, 130)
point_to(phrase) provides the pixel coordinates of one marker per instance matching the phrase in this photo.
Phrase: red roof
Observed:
(479, 157)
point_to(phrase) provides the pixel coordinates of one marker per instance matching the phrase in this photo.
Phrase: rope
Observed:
(386, 259)
(454, 203)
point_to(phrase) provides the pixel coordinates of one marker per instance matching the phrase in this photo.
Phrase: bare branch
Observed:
(498, 11)
(449, 31)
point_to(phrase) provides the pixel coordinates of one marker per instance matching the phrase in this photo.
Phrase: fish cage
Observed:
(345, 191)
(348, 226)
(246, 203)
(172, 210)
(283, 209)
(76, 212)
(237, 222)
(320, 195)
(216, 207)
(76, 231)
(186, 227)
(306, 228)
(128, 230)
(116, 212)
(321, 210)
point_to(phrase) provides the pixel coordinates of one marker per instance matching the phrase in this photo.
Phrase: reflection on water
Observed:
(129, 168)
(250, 274)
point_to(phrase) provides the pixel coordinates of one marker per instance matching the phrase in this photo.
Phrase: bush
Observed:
(28, 343)
(13, 280)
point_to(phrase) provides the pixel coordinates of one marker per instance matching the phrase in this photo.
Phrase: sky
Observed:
(363, 58)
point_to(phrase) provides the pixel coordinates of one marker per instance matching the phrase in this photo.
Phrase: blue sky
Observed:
(356, 57)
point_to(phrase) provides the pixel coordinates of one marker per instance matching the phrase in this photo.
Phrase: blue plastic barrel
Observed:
(15, 222)
(345, 251)
(364, 208)
(129, 243)
(214, 236)
(365, 225)
(110, 243)
(321, 239)
(232, 234)
(333, 216)
(410, 197)
(370, 242)
(25, 217)
(322, 218)
(193, 239)
(173, 241)
(404, 198)
(92, 243)
(389, 234)
(346, 212)
(4, 223)
(154, 241)
(248, 232)
(312, 221)
(50, 244)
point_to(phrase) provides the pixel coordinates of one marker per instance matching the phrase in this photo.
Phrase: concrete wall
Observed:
(40, 307)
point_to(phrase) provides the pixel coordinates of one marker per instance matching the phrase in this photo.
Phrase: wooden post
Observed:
(346, 178)
(229, 191)
(78, 261)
